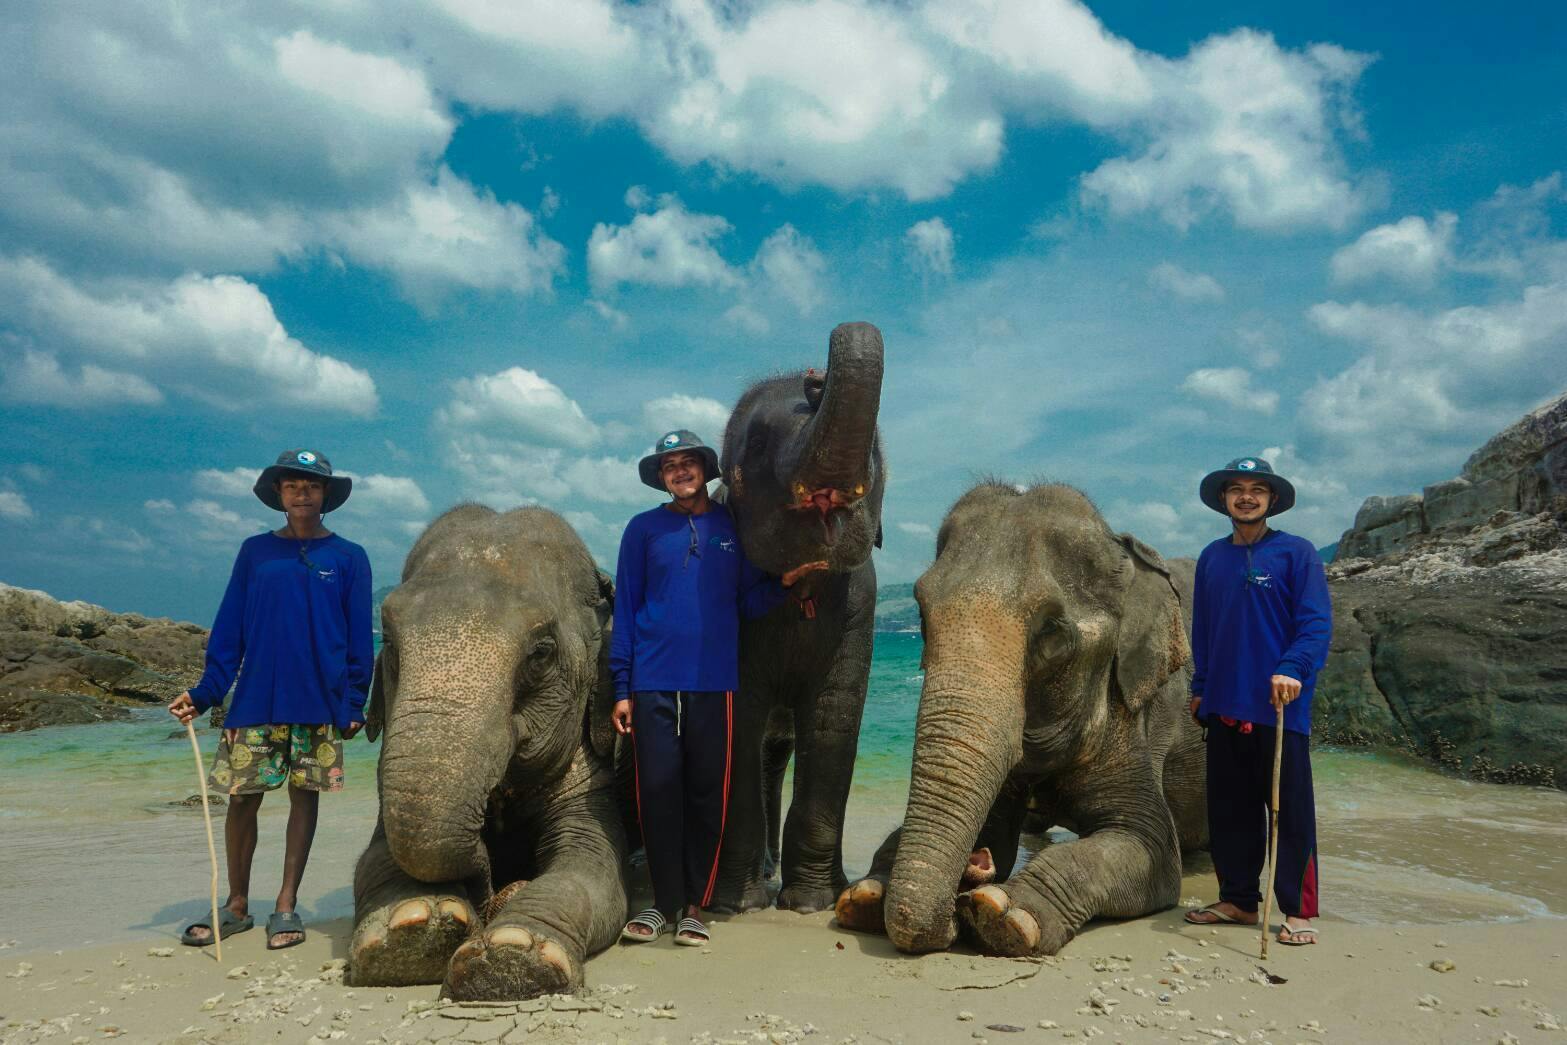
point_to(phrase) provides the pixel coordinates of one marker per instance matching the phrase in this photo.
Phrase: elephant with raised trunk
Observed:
(803, 474)
(1054, 661)
(497, 863)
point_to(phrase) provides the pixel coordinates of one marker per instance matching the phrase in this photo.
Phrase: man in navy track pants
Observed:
(1261, 621)
(681, 586)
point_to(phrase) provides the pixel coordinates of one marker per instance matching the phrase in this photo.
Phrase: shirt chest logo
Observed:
(724, 543)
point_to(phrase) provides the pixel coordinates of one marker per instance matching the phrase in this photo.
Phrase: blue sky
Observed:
(489, 251)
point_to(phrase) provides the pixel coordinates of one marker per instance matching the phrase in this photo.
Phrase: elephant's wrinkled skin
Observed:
(803, 475)
(495, 768)
(1055, 657)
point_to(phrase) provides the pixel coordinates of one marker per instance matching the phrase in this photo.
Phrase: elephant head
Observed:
(802, 462)
(491, 664)
(1046, 640)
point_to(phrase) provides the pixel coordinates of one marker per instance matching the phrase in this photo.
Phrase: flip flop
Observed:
(1215, 917)
(229, 924)
(690, 932)
(1292, 937)
(651, 919)
(284, 922)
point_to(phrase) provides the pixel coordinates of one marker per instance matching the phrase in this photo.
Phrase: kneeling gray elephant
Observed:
(497, 862)
(1054, 669)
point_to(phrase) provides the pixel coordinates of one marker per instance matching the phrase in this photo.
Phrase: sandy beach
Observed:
(1419, 868)
(780, 977)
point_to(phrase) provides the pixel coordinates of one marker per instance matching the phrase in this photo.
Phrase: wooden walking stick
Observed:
(1273, 828)
(212, 849)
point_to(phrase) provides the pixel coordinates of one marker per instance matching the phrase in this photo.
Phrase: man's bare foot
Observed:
(1297, 932)
(1221, 913)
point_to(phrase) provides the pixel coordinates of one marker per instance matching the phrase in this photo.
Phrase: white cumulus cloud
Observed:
(1422, 371)
(669, 247)
(1232, 386)
(14, 506)
(212, 338)
(1410, 250)
(789, 264)
(37, 377)
(1188, 286)
(1244, 127)
(930, 245)
(706, 417)
(522, 403)
(233, 482)
(449, 234)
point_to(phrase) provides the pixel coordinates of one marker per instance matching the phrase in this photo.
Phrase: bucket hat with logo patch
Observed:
(310, 465)
(673, 442)
(1212, 489)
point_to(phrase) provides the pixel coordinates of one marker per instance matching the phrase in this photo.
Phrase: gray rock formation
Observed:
(72, 662)
(1450, 614)
(1521, 471)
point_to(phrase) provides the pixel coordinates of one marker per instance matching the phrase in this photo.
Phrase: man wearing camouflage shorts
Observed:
(297, 614)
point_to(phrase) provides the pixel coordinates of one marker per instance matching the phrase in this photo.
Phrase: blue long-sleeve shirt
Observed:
(1247, 627)
(677, 610)
(302, 632)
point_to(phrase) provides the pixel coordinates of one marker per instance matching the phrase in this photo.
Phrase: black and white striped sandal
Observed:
(652, 920)
(690, 932)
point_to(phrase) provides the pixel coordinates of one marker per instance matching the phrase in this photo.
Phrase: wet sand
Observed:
(1417, 868)
(780, 977)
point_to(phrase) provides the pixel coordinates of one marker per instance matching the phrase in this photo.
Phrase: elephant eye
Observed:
(1053, 638)
(542, 653)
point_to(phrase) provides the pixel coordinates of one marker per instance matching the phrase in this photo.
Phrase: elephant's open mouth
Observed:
(830, 504)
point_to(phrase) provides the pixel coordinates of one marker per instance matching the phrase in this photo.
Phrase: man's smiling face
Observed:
(301, 496)
(682, 473)
(1247, 500)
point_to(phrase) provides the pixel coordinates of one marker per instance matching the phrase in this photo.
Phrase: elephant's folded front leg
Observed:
(1112, 873)
(406, 930)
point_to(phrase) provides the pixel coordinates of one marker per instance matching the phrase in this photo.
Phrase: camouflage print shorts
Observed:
(264, 757)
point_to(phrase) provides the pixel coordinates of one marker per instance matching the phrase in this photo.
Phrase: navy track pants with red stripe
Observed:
(682, 742)
(1240, 784)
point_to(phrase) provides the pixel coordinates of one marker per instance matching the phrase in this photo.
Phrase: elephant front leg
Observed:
(1125, 869)
(859, 906)
(827, 734)
(405, 930)
(540, 939)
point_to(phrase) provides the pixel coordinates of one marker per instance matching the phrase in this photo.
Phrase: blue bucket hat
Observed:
(1212, 489)
(671, 442)
(309, 464)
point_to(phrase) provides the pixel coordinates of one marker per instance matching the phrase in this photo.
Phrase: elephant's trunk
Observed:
(836, 454)
(447, 745)
(969, 737)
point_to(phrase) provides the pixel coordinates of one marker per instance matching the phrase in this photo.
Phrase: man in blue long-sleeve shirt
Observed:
(681, 586)
(1261, 621)
(296, 615)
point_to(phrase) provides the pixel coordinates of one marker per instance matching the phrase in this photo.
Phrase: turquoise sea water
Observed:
(92, 852)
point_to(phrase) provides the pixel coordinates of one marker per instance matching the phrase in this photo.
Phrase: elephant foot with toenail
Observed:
(509, 963)
(997, 926)
(409, 942)
(859, 906)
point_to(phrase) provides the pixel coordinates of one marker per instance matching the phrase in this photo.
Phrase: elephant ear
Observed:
(1152, 644)
(375, 708)
(601, 735)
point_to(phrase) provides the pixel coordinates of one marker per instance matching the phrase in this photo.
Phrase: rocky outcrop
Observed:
(72, 662)
(1450, 614)
(1521, 472)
